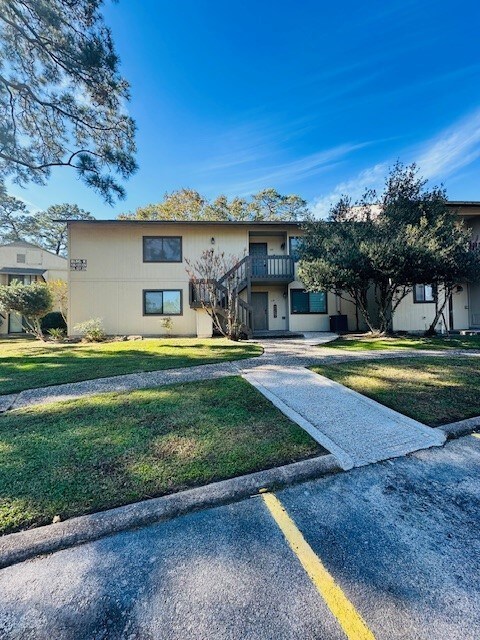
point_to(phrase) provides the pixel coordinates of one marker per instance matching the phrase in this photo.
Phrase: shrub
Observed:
(57, 335)
(53, 320)
(167, 324)
(91, 330)
(32, 301)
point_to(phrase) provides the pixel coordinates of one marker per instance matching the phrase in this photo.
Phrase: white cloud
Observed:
(456, 147)
(441, 156)
(296, 169)
(366, 179)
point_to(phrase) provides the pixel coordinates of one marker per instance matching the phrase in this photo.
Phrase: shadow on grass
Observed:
(42, 366)
(85, 455)
(434, 391)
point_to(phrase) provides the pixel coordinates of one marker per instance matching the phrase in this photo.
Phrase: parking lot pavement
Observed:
(398, 540)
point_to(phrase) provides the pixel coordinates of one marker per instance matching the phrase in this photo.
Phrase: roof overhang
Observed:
(193, 223)
(16, 271)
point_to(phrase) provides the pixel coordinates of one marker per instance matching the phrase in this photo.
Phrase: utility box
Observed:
(339, 323)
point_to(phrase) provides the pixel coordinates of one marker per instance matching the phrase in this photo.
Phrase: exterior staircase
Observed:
(251, 270)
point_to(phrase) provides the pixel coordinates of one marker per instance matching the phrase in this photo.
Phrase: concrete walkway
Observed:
(285, 352)
(356, 429)
(302, 352)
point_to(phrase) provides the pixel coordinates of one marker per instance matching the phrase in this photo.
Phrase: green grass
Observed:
(81, 456)
(433, 390)
(369, 343)
(27, 364)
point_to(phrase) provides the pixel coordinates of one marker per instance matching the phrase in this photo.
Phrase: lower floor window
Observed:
(423, 293)
(308, 301)
(162, 302)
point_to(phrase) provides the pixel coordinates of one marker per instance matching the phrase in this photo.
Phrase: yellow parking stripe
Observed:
(350, 620)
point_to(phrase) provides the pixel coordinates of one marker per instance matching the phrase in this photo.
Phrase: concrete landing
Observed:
(356, 429)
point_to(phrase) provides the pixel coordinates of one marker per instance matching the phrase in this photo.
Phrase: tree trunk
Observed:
(431, 331)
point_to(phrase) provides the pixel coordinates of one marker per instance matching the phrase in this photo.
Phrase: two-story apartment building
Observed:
(133, 273)
(27, 263)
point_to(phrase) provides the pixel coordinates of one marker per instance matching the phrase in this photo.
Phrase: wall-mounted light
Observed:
(212, 240)
(282, 246)
(285, 293)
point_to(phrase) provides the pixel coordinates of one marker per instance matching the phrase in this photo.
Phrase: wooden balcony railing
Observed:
(274, 268)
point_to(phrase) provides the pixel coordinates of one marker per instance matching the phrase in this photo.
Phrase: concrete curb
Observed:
(460, 428)
(17, 547)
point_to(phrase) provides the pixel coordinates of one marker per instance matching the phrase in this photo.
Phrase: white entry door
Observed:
(15, 324)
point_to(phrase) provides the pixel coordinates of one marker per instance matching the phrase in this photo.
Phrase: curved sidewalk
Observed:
(279, 352)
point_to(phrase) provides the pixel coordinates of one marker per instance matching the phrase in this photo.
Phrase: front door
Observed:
(15, 323)
(15, 320)
(474, 304)
(259, 262)
(260, 311)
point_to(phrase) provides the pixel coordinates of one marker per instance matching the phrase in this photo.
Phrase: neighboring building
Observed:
(27, 263)
(417, 310)
(132, 273)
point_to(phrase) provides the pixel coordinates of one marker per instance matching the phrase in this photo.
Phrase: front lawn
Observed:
(27, 364)
(433, 390)
(81, 456)
(370, 343)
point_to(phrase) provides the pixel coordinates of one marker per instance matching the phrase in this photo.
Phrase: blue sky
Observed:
(310, 97)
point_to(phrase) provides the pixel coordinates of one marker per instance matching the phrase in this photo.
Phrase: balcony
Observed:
(271, 269)
(250, 270)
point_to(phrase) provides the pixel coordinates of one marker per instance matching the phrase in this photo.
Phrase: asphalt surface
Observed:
(399, 537)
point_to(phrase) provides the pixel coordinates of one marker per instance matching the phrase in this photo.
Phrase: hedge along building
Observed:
(26, 263)
(132, 274)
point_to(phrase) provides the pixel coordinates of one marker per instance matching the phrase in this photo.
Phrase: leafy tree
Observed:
(454, 263)
(48, 228)
(216, 283)
(386, 244)
(271, 205)
(59, 292)
(183, 204)
(61, 95)
(32, 301)
(188, 204)
(13, 218)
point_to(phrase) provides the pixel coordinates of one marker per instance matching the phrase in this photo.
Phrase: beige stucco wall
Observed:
(412, 316)
(112, 286)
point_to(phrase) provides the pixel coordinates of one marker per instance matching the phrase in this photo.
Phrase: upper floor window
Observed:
(294, 244)
(424, 293)
(21, 258)
(308, 301)
(162, 249)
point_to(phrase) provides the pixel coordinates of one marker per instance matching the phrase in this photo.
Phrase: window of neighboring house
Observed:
(424, 293)
(294, 243)
(302, 301)
(21, 258)
(162, 302)
(21, 279)
(162, 249)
